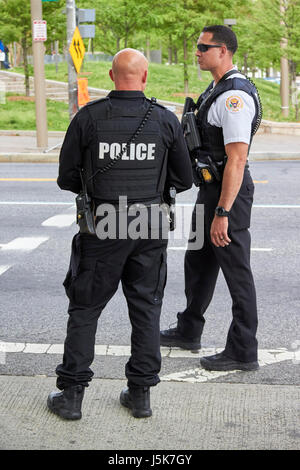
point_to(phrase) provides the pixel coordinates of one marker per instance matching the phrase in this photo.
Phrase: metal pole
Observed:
(72, 75)
(284, 71)
(39, 80)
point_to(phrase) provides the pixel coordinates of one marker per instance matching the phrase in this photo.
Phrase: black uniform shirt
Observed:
(81, 132)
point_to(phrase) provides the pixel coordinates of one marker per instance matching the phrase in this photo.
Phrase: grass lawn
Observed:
(18, 113)
(165, 82)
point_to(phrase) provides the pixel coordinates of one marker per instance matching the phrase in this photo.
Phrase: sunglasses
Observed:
(205, 47)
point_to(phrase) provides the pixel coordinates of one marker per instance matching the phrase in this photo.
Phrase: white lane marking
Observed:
(61, 220)
(3, 268)
(261, 249)
(184, 248)
(183, 204)
(35, 203)
(36, 348)
(11, 347)
(258, 206)
(24, 243)
(197, 374)
(277, 206)
(55, 349)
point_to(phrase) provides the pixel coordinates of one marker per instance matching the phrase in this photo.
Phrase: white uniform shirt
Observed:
(234, 111)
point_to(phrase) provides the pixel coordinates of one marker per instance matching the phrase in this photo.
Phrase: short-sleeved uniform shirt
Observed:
(234, 111)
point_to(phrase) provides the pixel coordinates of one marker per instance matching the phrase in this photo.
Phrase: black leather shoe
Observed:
(67, 404)
(222, 362)
(137, 399)
(172, 337)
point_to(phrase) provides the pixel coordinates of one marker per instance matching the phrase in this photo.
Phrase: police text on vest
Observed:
(139, 151)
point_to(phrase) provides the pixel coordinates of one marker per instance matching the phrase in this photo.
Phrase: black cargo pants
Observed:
(96, 268)
(202, 268)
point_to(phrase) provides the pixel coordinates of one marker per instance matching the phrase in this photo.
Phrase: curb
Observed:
(28, 158)
(54, 158)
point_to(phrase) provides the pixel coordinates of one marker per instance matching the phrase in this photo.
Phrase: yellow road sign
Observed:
(77, 49)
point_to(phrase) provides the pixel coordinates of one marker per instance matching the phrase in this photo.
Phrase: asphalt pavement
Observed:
(187, 415)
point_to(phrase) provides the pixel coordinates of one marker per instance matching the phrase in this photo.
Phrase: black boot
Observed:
(67, 404)
(137, 399)
(174, 338)
(222, 362)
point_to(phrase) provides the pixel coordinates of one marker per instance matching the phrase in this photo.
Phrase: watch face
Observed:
(221, 211)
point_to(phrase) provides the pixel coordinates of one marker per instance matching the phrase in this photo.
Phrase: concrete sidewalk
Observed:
(185, 416)
(20, 146)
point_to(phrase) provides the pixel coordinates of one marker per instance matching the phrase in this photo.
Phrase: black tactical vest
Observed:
(140, 173)
(212, 136)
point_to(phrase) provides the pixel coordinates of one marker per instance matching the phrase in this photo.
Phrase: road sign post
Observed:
(39, 35)
(72, 75)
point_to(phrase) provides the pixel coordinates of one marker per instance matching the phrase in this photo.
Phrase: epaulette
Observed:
(97, 101)
(155, 102)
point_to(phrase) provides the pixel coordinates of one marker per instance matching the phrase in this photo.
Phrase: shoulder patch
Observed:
(234, 103)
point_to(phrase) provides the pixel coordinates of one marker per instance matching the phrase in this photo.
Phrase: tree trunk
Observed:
(175, 55)
(245, 63)
(185, 66)
(25, 63)
(148, 49)
(170, 50)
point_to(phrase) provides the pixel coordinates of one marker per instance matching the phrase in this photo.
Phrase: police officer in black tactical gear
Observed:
(129, 147)
(228, 114)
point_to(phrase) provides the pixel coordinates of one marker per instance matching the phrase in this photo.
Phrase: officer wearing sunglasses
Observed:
(228, 114)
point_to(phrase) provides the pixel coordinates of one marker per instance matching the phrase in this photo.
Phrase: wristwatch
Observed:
(221, 212)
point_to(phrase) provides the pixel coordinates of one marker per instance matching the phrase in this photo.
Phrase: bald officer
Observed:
(228, 115)
(131, 149)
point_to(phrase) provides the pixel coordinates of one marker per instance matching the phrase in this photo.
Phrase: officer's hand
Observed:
(218, 231)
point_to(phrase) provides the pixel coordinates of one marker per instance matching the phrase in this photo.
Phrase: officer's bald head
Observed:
(129, 70)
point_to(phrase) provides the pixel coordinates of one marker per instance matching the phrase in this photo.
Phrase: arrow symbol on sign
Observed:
(79, 49)
(75, 47)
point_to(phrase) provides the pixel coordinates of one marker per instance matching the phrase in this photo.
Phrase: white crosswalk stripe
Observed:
(3, 269)
(24, 243)
(192, 375)
(59, 221)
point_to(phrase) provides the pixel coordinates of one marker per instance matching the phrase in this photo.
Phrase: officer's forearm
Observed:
(233, 173)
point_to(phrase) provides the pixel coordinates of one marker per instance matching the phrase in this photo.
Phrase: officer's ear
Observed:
(111, 75)
(144, 77)
(223, 50)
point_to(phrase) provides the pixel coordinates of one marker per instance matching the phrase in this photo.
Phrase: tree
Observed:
(15, 22)
(277, 20)
(119, 20)
(184, 20)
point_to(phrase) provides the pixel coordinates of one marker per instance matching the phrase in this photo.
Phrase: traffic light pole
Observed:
(39, 79)
(72, 75)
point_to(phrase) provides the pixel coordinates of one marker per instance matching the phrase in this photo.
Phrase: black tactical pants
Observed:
(96, 268)
(202, 268)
